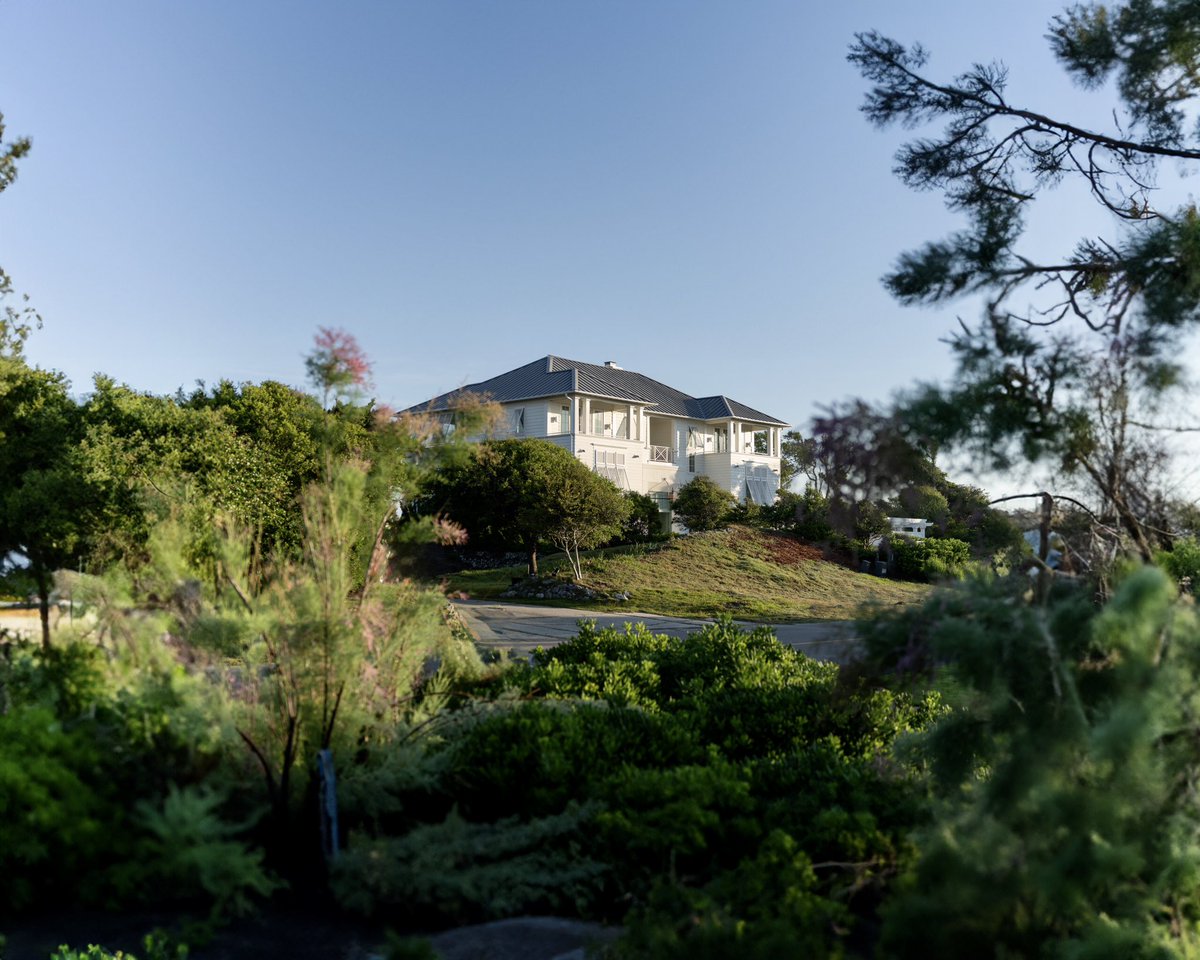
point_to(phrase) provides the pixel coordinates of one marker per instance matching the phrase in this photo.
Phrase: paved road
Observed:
(521, 628)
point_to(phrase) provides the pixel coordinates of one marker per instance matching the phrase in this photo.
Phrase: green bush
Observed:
(1182, 562)
(192, 852)
(68, 823)
(645, 521)
(1064, 827)
(156, 946)
(532, 760)
(743, 797)
(929, 559)
(702, 505)
(768, 906)
(458, 871)
(80, 751)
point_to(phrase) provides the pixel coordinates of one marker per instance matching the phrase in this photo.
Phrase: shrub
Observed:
(467, 872)
(702, 505)
(532, 760)
(812, 517)
(1065, 827)
(645, 521)
(928, 560)
(156, 946)
(767, 907)
(1182, 562)
(195, 854)
(79, 751)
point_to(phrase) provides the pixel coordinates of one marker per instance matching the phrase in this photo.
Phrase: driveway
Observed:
(522, 628)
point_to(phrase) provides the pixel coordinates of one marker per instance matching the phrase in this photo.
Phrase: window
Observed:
(517, 419)
(691, 463)
(610, 464)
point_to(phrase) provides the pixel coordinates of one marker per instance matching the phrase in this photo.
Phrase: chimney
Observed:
(611, 364)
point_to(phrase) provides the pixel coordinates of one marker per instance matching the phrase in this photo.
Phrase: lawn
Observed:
(748, 573)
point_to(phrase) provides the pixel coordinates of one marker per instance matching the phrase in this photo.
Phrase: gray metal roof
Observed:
(554, 376)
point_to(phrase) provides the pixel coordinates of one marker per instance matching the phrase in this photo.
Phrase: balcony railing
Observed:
(661, 454)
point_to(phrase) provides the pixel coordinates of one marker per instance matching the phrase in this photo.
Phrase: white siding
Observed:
(728, 471)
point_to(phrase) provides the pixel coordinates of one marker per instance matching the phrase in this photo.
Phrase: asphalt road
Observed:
(521, 628)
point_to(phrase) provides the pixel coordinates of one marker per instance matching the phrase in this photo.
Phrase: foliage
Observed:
(464, 871)
(337, 365)
(315, 664)
(870, 521)
(1065, 825)
(16, 322)
(813, 518)
(157, 946)
(1079, 374)
(80, 746)
(519, 492)
(44, 503)
(690, 771)
(645, 521)
(701, 505)
(588, 510)
(801, 458)
(532, 760)
(1182, 562)
(191, 851)
(930, 560)
(768, 906)
(865, 454)
(243, 456)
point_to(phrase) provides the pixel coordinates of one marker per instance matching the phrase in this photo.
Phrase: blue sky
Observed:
(686, 188)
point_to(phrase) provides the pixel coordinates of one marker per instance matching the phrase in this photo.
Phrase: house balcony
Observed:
(661, 454)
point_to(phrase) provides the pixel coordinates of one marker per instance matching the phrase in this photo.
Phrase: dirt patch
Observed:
(788, 552)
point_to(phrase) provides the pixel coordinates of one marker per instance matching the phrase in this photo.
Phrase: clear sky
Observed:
(686, 188)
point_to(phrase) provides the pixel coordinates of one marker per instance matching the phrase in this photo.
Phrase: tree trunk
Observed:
(532, 560)
(44, 606)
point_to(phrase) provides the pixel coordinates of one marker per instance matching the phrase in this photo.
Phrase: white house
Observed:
(909, 526)
(641, 434)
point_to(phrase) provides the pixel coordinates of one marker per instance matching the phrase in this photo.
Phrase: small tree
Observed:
(522, 492)
(587, 511)
(702, 505)
(337, 365)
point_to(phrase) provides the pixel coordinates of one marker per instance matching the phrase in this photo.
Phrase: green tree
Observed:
(702, 505)
(523, 492)
(16, 322)
(1077, 375)
(1064, 823)
(802, 458)
(44, 502)
(588, 510)
(154, 452)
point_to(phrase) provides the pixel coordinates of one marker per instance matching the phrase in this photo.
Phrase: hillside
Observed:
(748, 573)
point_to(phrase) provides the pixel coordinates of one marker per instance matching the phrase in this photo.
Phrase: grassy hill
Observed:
(748, 573)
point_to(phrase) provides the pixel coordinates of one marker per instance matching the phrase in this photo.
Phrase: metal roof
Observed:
(553, 376)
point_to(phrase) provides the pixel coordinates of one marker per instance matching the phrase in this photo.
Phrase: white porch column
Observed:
(587, 415)
(629, 423)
